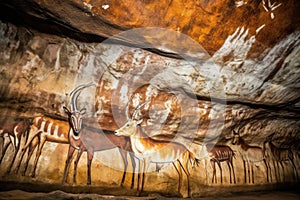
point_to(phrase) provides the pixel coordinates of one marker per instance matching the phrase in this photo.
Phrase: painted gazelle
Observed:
(250, 155)
(218, 154)
(90, 139)
(149, 150)
(45, 129)
(278, 156)
(12, 132)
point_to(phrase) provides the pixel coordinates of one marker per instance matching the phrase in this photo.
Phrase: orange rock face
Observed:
(208, 22)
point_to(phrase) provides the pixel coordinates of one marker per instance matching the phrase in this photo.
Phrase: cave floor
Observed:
(57, 195)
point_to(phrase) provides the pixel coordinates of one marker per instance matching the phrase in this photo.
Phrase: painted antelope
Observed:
(90, 139)
(149, 150)
(31, 147)
(269, 158)
(250, 155)
(219, 154)
(12, 132)
(278, 156)
(45, 129)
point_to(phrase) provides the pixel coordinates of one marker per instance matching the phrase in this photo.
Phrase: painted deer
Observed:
(250, 155)
(12, 132)
(149, 150)
(219, 154)
(278, 156)
(91, 139)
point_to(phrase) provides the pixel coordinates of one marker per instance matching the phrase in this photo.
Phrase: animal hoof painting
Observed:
(179, 99)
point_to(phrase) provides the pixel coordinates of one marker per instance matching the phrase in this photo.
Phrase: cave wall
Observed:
(247, 80)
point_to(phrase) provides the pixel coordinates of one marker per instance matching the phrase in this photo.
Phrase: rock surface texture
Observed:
(216, 75)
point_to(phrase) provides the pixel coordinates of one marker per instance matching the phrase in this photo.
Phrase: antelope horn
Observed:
(127, 111)
(75, 94)
(138, 108)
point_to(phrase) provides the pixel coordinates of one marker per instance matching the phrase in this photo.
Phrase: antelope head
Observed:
(130, 127)
(75, 116)
(235, 138)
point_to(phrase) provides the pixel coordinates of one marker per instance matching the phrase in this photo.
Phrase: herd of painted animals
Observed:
(131, 139)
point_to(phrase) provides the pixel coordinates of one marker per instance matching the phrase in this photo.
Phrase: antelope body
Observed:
(278, 156)
(44, 129)
(149, 151)
(12, 132)
(250, 155)
(47, 129)
(91, 140)
(219, 154)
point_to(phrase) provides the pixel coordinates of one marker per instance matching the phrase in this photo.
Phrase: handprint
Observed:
(270, 7)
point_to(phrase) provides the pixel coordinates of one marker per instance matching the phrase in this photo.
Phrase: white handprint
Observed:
(235, 48)
(270, 7)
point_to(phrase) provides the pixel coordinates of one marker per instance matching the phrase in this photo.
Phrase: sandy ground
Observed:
(57, 195)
